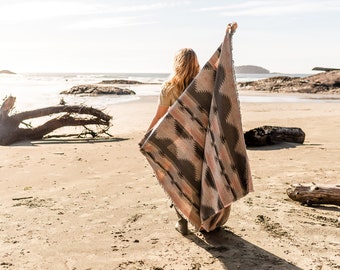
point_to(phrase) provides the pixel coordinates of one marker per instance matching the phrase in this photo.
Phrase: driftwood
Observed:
(268, 135)
(10, 132)
(315, 194)
(22, 198)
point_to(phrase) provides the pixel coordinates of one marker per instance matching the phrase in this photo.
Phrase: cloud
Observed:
(116, 15)
(112, 22)
(35, 10)
(38, 10)
(79, 14)
(274, 8)
(152, 6)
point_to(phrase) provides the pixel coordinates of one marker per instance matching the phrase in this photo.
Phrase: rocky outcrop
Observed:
(120, 82)
(325, 82)
(98, 89)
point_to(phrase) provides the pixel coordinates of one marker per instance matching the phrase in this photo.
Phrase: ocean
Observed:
(38, 90)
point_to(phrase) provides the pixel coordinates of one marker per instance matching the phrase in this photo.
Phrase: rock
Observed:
(120, 82)
(96, 89)
(325, 82)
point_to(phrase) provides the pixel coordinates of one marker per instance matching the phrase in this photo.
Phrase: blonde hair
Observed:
(185, 68)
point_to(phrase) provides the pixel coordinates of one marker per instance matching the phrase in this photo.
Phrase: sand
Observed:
(97, 205)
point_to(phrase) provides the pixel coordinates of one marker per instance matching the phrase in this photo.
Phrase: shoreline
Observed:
(299, 95)
(98, 205)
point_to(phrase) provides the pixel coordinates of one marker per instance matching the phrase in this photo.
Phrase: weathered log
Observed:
(269, 135)
(10, 132)
(315, 194)
(22, 198)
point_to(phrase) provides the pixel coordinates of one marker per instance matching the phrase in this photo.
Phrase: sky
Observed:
(288, 36)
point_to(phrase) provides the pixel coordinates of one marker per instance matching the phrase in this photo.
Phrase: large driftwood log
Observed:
(10, 132)
(315, 194)
(268, 135)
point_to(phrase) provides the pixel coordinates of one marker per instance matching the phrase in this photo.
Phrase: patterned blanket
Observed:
(197, 149)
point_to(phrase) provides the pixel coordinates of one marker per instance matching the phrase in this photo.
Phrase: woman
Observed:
(185, 69)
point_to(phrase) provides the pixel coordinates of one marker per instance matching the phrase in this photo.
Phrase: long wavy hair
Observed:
(185, 69)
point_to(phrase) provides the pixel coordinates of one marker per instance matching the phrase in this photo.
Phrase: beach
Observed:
(77, 204)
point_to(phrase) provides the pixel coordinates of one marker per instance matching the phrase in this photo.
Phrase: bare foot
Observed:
(182, 226)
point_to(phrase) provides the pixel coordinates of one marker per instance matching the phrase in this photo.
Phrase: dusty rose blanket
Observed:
(197, 150)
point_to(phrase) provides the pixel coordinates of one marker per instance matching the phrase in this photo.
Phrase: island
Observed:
(5, 71)
(250, 69)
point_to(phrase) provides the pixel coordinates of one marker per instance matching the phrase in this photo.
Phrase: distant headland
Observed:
(6, 72)
(250, 69)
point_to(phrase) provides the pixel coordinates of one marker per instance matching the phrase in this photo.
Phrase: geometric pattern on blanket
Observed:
(197, 149)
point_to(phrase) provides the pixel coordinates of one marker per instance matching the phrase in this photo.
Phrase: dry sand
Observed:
(98, 205)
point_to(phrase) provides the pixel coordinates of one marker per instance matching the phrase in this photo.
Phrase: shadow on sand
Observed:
(333, 208)
(69, 141)
(237, 253)
(282, 145)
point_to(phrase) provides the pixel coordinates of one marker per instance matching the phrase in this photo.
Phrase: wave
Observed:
(36, 90)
